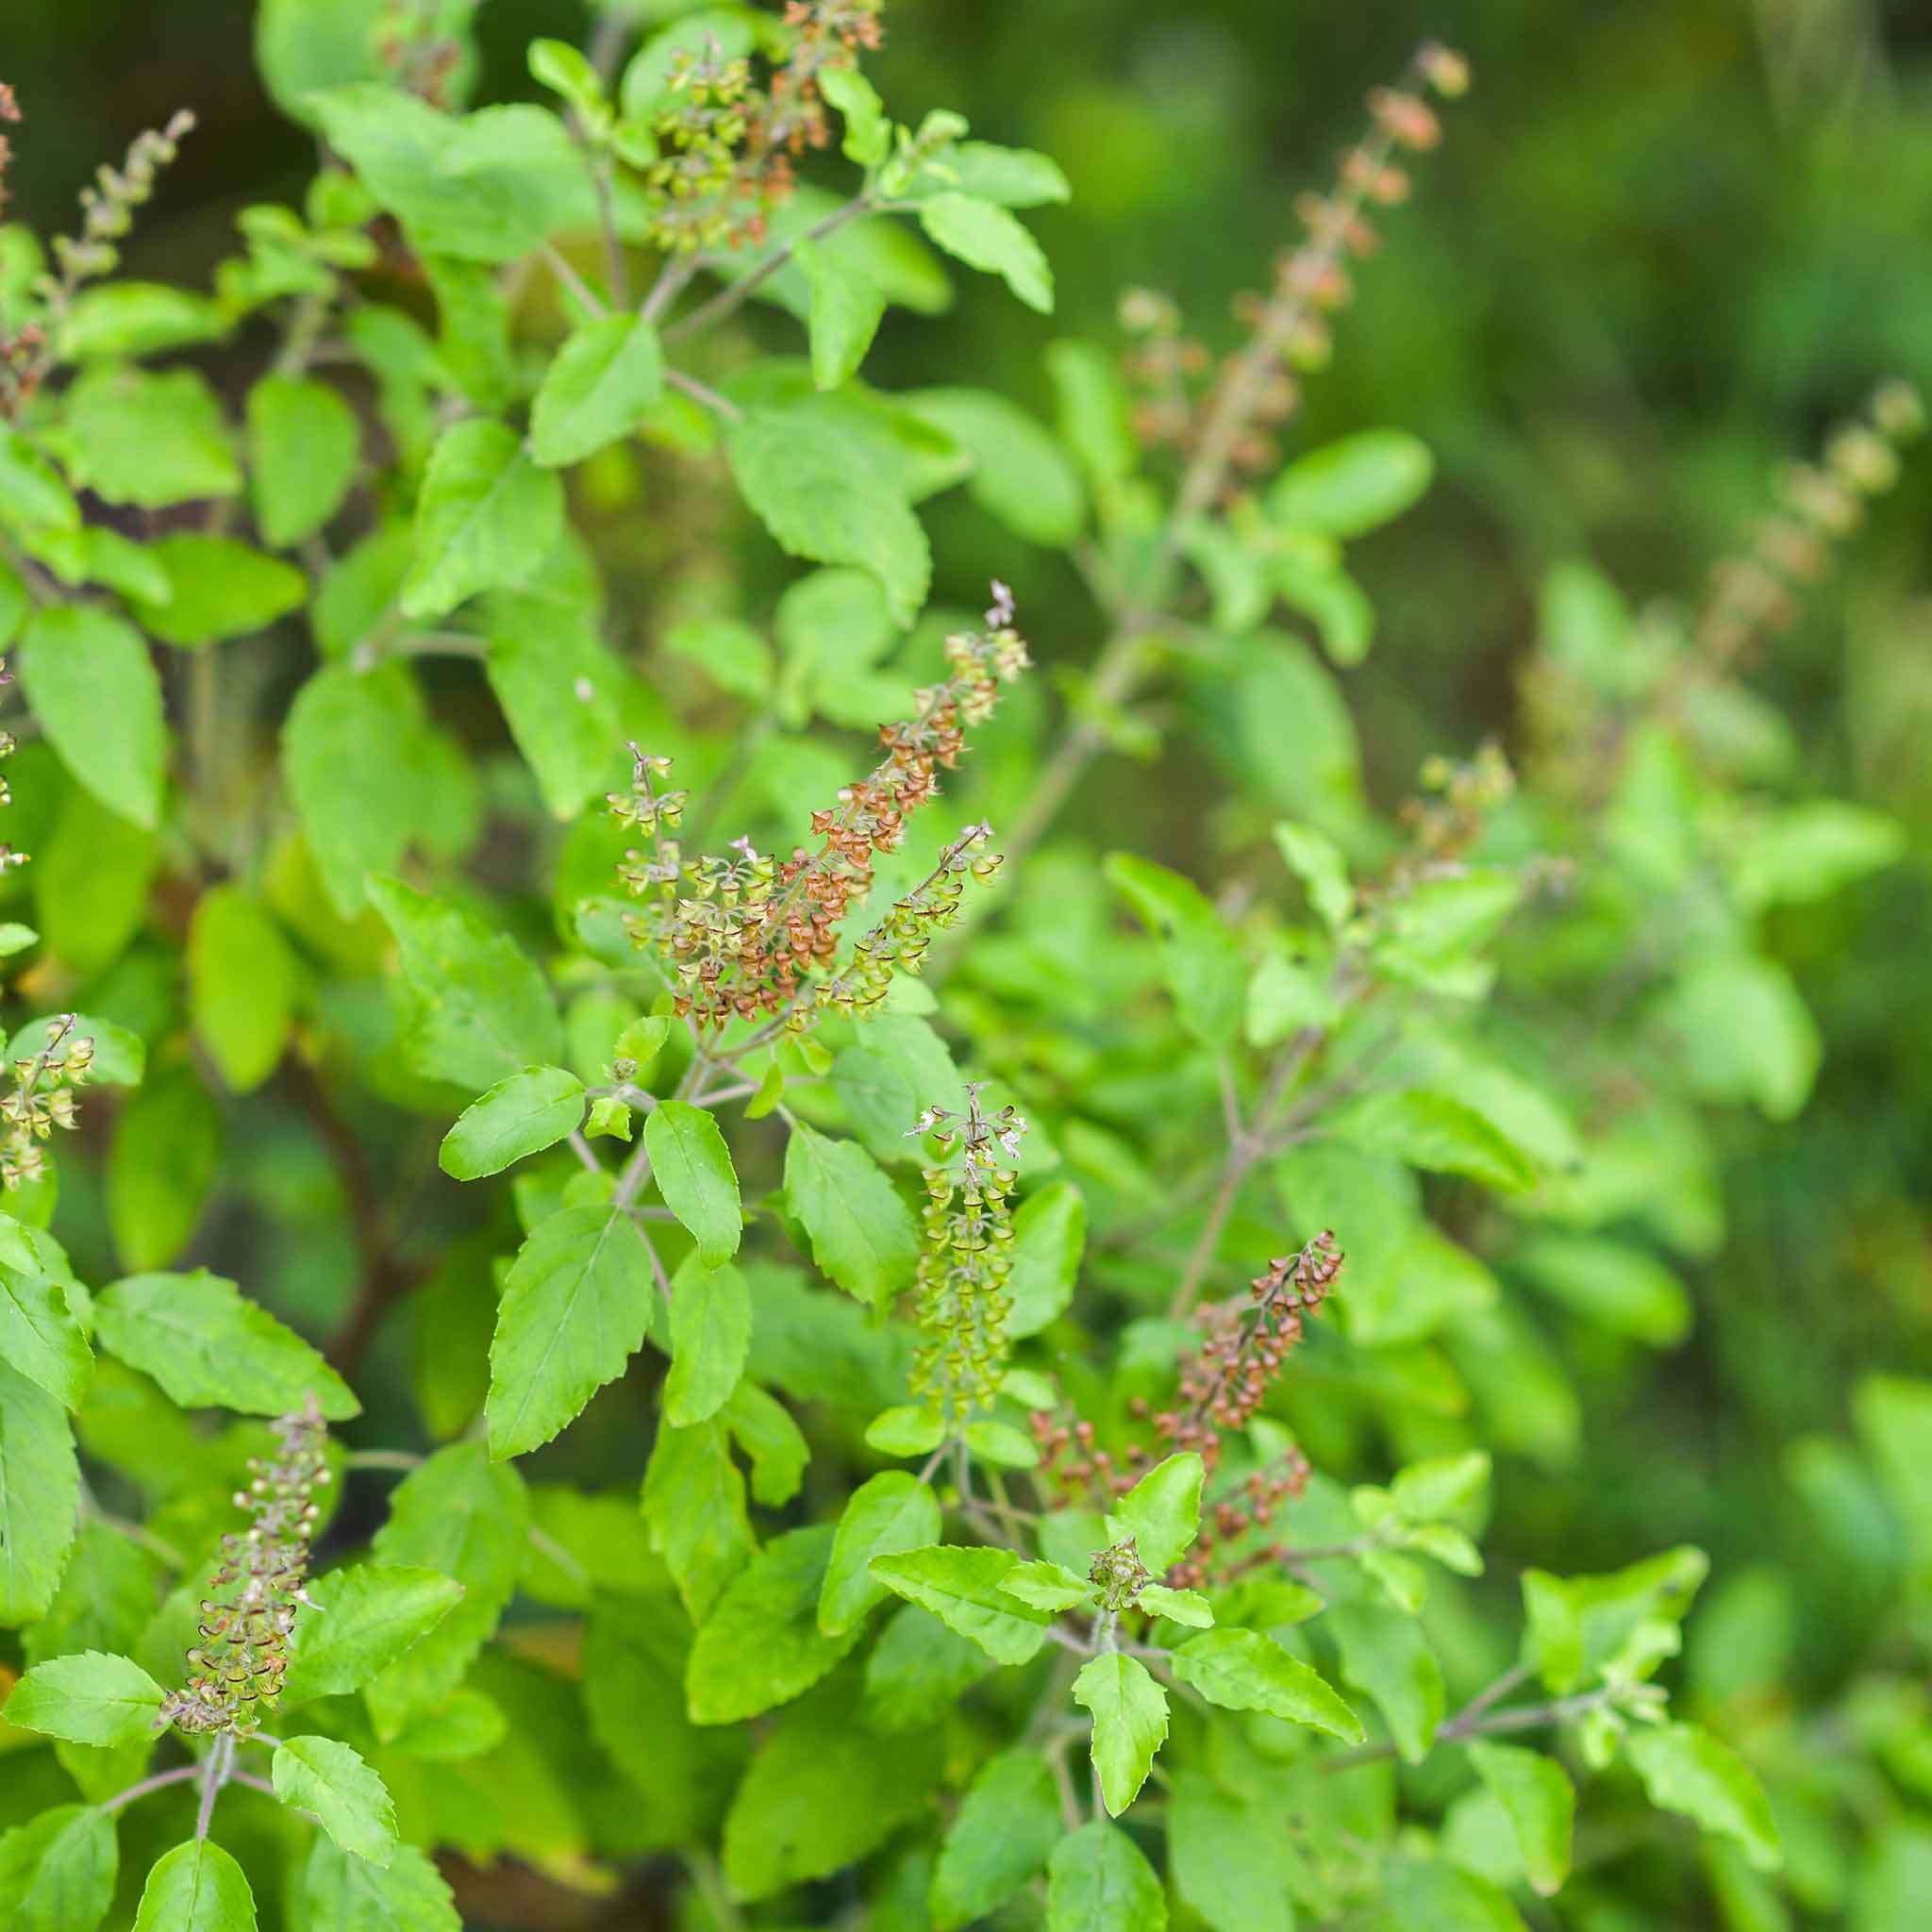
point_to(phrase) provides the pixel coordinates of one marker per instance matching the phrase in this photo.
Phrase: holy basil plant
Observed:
(632, 1316)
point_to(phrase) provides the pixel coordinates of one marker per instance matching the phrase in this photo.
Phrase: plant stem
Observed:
(702, 392)
(403, 1460)
(214, 1773)
(1476, 1720)
(179, 1776)
(734, 295)
(560, 267)
(1247, 1147)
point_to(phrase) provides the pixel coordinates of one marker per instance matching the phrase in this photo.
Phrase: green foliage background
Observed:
(1665, 244)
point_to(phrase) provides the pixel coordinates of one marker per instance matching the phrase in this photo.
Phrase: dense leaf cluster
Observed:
(882, 1350)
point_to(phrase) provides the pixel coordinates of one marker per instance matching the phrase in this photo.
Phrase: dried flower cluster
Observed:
(1222, 1384)
(744, 933)
(106, 214)
(419, 47)
(41, 1099)
(1759, 592)
(1223, 426)
(727, 147)
(1449, 815)
(9, 111)
(1226, 1519)
(237, 1667)
(966, 1256)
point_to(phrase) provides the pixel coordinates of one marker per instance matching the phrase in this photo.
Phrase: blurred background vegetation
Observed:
(1665, 244)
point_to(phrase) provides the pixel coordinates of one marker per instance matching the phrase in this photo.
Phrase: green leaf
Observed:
(1738, 1032)
(1129, 1712)
(1318, 863)
(1807, 853)
(1446, 1898)
(485, 186)
(522, 1115)
(887, 1514)
(896, 1069)
(1285, 998)
(1686, 1769)
(1096, 419)
(304, 444)
(40, 1333)
(243, 978)
(368, 1615)
(1617, 1286)
(1185, 1607)
(1348, 488)
(354, 749)
(846, 307)
(765, 1431)
(350, 1802)
(577, 1305)
(692, 1169)
(1097, 1880)
(1894, 1421)
(1385, 1653)
(761, 1645)
(92, 686)
(1049, 1237)
(961, 1587)
(40, 1494)
(1576, 1624)
(1006, 1826)
(211, 1347)
(1442, 1486)
(710, 1335)
(348, 1894)
(1013, 176)
(161, 1163)
(984, 235)
(1162, 1511)
(693, 1503)
(1244, 1670)
(906, 1429)
(217, 588)
(861, 1231)
(634, 1661)
(31, 492)
(1338, 606)
(868, 133)
(150, 440)
(486, 519)
(1223, 1858)
(810, 484)
(482, 1010)
(89, 1697)
(196, 1887)
(1439, 1134)
(731, 654)
(1020, 475)
(1050, 1586)
(58, 1871)
(127, 318)
(470, 1518)
(1199, 959)
(1536, 1793)
(604, 378)
(823, 1793)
